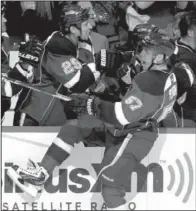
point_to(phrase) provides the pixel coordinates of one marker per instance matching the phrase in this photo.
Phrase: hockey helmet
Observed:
(161, 44)
(72, 14)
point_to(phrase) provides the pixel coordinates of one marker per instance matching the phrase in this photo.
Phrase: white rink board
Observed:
(18, 147)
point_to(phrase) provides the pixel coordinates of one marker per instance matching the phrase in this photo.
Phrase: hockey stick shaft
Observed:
(28, 86)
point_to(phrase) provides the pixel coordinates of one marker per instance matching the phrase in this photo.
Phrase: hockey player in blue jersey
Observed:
(130, 126)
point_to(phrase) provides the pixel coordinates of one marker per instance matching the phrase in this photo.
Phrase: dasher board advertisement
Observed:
(165, 178)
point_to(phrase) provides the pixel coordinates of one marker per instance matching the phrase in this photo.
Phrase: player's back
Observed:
(152, 96)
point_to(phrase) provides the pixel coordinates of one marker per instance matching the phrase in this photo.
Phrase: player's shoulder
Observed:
(183, 48)
(57, 43)
(185, 53)
(152, 82)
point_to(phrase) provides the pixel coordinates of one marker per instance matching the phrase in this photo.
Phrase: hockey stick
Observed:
(25, 85)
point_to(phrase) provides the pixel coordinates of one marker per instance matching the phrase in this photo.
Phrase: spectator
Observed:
(39, 18)
(107, 22)
(13, 15)
(99, 41)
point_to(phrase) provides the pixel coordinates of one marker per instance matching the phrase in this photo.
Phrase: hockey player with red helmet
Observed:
(130, 126)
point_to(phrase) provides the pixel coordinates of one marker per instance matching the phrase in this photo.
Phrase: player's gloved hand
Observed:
(29, 56)
(106, 88)
(108, 61)
(106, 83)
(30, 51)
(83, 104)
(124, 73)
(123, 70)
(128, 71)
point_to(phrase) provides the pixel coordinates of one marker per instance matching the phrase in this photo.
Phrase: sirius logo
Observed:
(82, 183)
(181, 173)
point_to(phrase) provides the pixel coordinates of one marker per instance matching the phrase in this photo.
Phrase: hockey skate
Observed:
(30, 180)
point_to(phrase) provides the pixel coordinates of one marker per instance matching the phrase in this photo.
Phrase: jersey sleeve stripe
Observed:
(176, 50)
(190, 74)
(119, 114)
(73, 81)
(182, 99)
(64, 146)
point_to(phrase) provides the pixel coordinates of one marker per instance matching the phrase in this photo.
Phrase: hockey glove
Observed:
(124, 73)
(128, 71)
(30, 51)
(108, 61)
(29, 56)
(83, 104)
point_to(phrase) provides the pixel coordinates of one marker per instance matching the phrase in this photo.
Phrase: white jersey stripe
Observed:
(189, 72)
(119, 114)
(73, 81)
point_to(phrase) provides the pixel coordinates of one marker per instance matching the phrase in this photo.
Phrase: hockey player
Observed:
(186, 52)
(130, 127)
(67, 65)
(22, 71)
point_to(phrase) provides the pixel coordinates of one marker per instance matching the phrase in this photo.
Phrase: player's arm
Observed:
(185, 80)
(70, 72)
(136, 105)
